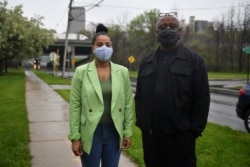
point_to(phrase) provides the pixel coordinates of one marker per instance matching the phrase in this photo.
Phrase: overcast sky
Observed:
(55, 12)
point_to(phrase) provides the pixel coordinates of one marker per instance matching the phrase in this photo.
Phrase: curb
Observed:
(224, 91)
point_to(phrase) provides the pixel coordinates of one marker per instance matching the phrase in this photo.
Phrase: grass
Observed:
(52, 79)
(211, 75)
(218, 147)
(222, 146)
(14, 132)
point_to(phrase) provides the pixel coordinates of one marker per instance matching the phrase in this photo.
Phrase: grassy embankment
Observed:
(14, 132)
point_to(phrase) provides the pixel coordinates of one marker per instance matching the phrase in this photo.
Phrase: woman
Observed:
(101, 116)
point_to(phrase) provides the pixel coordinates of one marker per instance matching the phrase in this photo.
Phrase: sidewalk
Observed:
(48, 123)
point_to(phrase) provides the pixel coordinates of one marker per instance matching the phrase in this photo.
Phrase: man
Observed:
(172, 99)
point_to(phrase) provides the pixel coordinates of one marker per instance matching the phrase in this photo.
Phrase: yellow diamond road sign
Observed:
(131, 59)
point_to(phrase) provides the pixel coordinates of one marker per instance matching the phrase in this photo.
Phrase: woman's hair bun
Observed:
(101, 28)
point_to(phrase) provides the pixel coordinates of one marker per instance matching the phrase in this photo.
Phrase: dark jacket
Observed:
(187, 93)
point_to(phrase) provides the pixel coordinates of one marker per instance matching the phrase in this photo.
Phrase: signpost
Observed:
(131, 60)
(246, 50)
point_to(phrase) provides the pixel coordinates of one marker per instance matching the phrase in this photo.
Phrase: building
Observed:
(191, 23)
(79, 46)
(78, 20)
(200, 26)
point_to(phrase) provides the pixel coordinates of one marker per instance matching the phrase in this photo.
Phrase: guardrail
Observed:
(225, 91)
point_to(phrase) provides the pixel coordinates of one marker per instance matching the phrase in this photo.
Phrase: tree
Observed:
(142, 34)
(120, 44)
(20, 38)
(242, 34)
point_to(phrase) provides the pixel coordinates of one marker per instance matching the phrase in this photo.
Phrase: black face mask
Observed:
(168, 38)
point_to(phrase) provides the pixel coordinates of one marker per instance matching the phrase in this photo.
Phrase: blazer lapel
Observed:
(92, 73)
(116, 82)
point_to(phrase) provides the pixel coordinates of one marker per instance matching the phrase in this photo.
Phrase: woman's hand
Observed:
(126, 143)
(77, 148)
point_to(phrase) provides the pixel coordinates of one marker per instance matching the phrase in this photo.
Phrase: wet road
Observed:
(222, 111)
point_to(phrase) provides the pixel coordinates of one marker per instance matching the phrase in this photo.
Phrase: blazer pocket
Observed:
(83, 120)
(147, 71)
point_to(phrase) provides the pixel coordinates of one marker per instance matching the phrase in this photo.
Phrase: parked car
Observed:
(243, 106)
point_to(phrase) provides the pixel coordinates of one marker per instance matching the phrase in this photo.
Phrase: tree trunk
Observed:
(1, 67)
(6, 66)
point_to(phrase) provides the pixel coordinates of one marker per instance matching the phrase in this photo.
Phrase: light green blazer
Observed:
(86, 103)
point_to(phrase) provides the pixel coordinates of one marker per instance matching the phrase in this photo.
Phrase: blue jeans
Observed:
(105, 148)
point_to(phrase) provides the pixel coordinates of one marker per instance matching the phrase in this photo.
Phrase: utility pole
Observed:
(70, 18)
(66, 38)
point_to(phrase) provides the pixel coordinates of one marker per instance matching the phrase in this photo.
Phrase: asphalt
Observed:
(49, 126)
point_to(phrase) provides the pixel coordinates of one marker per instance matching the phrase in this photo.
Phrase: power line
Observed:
(59, 22)
(92, 6)
(95, 5)
(84, 3)
(66, 9)
(140, 8)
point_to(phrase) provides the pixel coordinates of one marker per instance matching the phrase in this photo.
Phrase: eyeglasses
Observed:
(174, 14)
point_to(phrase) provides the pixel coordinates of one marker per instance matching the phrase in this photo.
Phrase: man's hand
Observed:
(77, 148)
(126, 143)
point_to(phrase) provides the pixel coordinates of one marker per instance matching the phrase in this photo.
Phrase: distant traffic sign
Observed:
(246, 49)
(131, 59)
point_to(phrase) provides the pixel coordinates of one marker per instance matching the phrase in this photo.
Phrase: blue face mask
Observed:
(103, 53)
